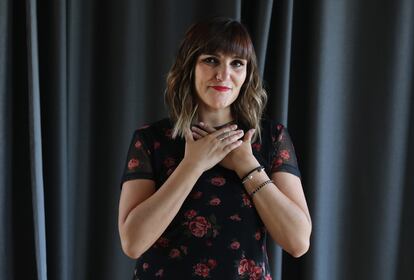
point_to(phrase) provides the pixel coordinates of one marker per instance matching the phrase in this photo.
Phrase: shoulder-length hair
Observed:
(212, 36)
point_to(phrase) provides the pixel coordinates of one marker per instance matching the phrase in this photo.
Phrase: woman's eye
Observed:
(210, 60)
(237, 63)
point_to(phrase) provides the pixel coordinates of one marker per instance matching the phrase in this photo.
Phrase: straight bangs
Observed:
(233, 40)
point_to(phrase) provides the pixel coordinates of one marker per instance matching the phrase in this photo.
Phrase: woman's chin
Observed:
(217, 106)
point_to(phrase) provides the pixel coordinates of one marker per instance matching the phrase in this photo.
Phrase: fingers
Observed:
(223, 130)
(207, 128)
(249, 135)
(196, 136)
(232, 146)
(199, 131)
(231, 136)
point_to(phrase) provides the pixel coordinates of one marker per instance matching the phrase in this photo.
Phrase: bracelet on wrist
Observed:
(249, 175)
(260, 186)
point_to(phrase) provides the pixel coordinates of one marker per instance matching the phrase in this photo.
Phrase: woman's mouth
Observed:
(221, 88)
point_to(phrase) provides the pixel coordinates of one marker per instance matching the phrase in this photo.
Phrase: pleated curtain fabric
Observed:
(78, 77)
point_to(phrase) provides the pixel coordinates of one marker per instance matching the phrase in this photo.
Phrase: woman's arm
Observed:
(281, 206)
(145, 214)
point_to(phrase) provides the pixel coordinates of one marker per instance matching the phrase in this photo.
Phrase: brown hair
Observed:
(212, 36)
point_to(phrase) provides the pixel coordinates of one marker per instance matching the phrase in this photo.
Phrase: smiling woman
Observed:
(197, 200)
(218, 80)
(215, 53)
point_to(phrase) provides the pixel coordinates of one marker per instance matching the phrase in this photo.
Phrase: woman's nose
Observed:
(223, 73)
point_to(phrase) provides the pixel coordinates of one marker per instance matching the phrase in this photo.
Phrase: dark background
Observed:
(77, 77)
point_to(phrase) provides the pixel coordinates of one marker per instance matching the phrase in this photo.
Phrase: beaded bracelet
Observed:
(249, 175)
(260, 186)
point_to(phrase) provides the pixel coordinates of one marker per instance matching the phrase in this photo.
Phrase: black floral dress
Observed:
(217, 234)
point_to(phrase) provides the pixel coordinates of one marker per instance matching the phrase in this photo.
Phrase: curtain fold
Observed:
(35, 140)
(77, 77)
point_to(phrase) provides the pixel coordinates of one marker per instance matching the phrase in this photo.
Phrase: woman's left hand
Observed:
(234, 158)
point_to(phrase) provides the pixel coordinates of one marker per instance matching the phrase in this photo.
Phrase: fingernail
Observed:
(234, 126)
(201, 123)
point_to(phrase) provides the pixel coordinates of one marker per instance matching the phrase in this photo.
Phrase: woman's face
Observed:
(218, 79)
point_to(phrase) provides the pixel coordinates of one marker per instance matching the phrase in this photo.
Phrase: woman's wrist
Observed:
(246, 166)
(195, 167)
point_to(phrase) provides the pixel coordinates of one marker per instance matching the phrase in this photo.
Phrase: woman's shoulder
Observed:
(164, 123)
(271, 124)
(154, 129)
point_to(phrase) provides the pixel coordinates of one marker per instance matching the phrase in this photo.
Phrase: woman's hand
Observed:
(236, 156)
(211, 149)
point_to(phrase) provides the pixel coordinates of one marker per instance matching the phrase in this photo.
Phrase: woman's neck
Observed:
(215, 119)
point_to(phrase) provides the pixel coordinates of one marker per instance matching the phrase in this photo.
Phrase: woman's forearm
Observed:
(147, 221)
(288, 224)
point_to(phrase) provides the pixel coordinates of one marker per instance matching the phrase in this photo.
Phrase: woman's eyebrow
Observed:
(210, 54)
(220, 56)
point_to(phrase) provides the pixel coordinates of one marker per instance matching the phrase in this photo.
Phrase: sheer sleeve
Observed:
(284, 156)
(138, 163)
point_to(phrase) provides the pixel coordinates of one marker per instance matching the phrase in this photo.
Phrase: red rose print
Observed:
(284, 154)
(235, 217)
(199, 226)
(163, 242)
(145, 266)
(169, 161)
(268, 277)
(202, 270)
(255, 272)
(279, 126)
(243, 266)
(246, 200)
(252, 264)
(235, 245)
(218, 181)
(212, 263)
(257, 235)
(156, 145)
(138, 144)
(133, 163)
(196, 195)
(215, 201)
(159, 273)
(174, 253)
(190, 214)
(277, 162)
(256, 146)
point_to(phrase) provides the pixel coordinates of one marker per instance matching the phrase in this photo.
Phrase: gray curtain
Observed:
(77, 77)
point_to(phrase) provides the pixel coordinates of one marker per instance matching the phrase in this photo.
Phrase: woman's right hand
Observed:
(210, 150)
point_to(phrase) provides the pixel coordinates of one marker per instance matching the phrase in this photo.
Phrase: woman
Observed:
(202, 188)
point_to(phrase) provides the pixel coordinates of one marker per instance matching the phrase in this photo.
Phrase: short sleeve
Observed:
(138, 162)
(284, 156)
